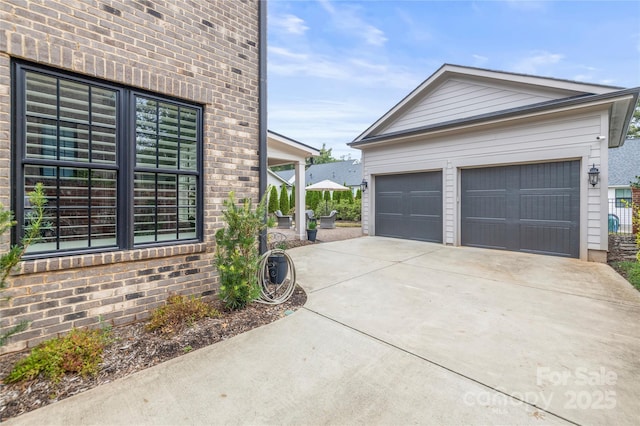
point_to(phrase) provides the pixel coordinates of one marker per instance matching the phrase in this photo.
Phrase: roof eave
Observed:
(622, 108)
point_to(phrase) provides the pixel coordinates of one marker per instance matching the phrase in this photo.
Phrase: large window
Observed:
(120, 168)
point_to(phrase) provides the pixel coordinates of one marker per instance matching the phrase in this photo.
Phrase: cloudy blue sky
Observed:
(335, 66)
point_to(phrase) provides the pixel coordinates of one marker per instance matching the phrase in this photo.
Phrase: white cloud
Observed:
(479, 60)
(282, 51)
(291, 24)
(416, 31)
(374, 36)
(347, 19)
(537, 62)
(356, 71)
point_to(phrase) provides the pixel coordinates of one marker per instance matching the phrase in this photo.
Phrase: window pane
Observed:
(103, 145)
(41, 97)
(187, 214)
(188, 138)
(144, 207)
(103, 107)
(146, 132)
(167, 207)
(169, 132)
(74, 101)
(74, 142)
(81, 207)
(42, 138)
(104, 204)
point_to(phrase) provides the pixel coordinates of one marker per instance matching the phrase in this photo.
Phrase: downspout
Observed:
(262, 107)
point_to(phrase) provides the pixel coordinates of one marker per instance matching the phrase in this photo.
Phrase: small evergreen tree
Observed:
(284, 200)
(273, 200)
(237, 256)
(327, 196)
(348, 196)
(292, 198)
(359, 194)
(337, 196)
(32, 234)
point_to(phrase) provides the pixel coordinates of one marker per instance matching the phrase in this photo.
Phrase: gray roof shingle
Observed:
(624, 163)
(341, 172)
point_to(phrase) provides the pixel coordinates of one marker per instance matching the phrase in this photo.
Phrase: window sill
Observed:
(99, 259)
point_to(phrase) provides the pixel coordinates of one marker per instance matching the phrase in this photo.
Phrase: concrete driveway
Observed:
(399, 332)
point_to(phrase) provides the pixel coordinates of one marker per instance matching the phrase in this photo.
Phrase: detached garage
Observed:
(497, 160)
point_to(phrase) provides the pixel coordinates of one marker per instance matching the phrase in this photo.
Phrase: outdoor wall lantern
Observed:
(363, 185)
(594, 175)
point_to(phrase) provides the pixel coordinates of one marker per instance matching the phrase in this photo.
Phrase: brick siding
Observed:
(635, 200)
(200, 51)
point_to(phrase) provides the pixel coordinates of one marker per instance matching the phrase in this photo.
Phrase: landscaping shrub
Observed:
(80, 352)
(35, 223)
(237, 255)
(284, 200)
(274, 203)
(178, 313)
(292, 197)
(348, 210)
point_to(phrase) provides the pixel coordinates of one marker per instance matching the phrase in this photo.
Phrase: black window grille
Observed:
(121, 168)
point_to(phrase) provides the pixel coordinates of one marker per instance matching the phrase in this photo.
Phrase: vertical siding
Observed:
(560, 137)
(456, 99)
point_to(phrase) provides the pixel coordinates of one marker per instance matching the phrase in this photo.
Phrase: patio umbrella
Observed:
(327, 185)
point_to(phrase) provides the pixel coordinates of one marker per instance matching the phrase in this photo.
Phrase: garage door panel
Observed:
(486, 205)
(486, 234)
(409, 206)
(546, 207)
(425, 203)
(546, 239)
(533, 208)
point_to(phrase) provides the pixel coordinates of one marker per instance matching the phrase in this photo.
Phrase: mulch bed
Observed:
(135, 349)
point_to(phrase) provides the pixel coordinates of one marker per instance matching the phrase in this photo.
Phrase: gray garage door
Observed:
(531, 208)
(409, 206)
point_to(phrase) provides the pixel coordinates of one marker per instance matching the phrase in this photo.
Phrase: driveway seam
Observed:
(434, 363)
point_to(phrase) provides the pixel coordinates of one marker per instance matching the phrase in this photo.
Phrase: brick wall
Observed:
(635, 200)
(200, 51)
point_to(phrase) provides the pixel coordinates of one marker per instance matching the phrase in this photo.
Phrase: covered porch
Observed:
(282, 150)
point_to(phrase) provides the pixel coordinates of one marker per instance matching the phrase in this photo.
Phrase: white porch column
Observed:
(301, 220)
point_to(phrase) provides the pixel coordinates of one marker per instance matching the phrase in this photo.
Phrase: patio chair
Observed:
(284, 222)
(614, 223)
(329, 222)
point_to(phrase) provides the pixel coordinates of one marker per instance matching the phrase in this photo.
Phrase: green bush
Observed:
(348, 210)
(284, 200)
(292, 197)
(178, 313)
(274, 204)
(237, 255)
(35, 223)
(80, 352)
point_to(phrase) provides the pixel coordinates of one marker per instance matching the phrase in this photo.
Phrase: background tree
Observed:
(326, 195)
(359, 194)
(273, 200)
(284, 200)
(634, 127)
(348, 196)
(324, 157)
(292, 198)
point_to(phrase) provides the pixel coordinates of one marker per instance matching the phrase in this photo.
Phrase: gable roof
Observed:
(441, 102)
(624, 163)
(341, 172)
